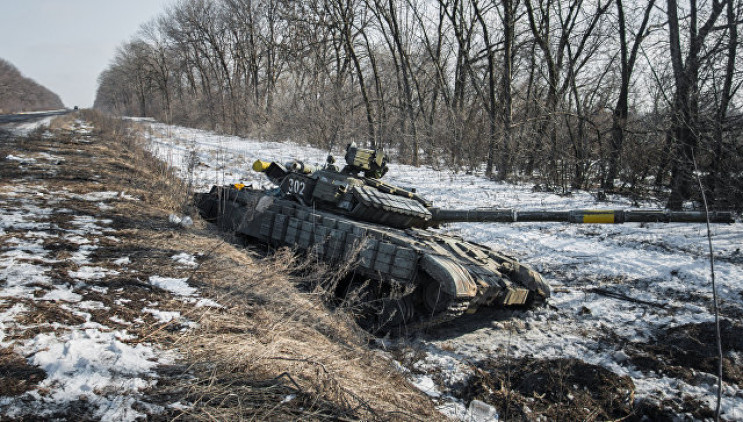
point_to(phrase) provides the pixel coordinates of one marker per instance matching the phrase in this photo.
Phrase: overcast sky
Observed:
(65, 44)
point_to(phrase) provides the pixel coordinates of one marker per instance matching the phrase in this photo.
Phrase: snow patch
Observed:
(22, 160)
(185, 259)
(178, 286)
(95, 365)
(92, 273)
(122, 261)
(163, 316)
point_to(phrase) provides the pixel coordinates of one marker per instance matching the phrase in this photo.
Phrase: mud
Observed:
(555, 389)
(689, 352)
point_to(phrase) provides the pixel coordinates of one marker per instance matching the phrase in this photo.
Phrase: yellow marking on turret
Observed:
(598, 217)
(260, 166)
(239, 186)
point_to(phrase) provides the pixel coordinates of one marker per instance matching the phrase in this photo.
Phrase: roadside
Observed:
(627, 330)
(113, 307)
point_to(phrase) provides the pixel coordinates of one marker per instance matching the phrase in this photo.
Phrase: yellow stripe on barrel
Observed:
(598, 217)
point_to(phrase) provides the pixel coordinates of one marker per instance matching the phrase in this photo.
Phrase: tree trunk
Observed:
(717, 182)
(509, 24)
(685, 126)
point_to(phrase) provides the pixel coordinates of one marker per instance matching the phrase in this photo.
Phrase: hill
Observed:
(19, 94)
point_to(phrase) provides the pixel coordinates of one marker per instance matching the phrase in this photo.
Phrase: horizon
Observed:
(64, 46)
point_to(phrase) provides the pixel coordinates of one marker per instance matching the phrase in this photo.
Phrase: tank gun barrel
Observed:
(510, 215)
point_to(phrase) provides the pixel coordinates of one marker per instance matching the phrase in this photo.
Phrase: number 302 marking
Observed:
(296, 187)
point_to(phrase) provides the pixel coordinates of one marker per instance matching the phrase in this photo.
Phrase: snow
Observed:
(92, 273)
(64, 294)
(207, 303)
(22, 160)
(122, 261)
(185, 259)
(179, 220)
(426, 385)
(82, 363)
(662, 264)
(179, 406)
(24, 128)
(105, 196)
(163, 316)
(90, 361)
(178, 286)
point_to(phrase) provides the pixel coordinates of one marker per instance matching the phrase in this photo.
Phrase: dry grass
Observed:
(16, 374)
(272, 352)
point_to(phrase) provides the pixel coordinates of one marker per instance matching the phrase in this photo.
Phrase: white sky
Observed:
(65, 44)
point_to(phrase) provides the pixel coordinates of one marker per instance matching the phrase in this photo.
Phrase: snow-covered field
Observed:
(651, 278)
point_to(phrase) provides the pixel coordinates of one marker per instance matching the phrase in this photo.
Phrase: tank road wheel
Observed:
(434, 298)
(437, 306)
(375, 311)
(359, 298)
(394, 313)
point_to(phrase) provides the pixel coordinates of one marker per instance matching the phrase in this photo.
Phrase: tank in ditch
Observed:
(402, 274)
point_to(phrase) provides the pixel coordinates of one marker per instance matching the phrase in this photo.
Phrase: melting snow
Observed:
(658, 263)
(90, 363)
(22, 160)
(177, 286)
(185, 259)
(163, 316)
(92, 273)
(86, 361)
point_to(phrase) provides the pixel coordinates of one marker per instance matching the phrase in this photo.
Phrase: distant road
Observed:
(27, 117)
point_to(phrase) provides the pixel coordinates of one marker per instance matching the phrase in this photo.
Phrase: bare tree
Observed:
(540, 89)
(685, 124)
(725, 95)
(627, 60)
(570, 49)
(18, 93)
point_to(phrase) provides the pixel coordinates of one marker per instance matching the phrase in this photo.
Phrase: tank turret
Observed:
(355, 191)
(409, 277)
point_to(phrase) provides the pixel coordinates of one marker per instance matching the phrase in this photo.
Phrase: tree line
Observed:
(636, 96)
(19, 94)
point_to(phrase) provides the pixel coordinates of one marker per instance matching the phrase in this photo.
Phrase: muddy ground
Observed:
(528, 388)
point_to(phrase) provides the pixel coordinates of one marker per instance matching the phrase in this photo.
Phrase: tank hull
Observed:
(411, 278)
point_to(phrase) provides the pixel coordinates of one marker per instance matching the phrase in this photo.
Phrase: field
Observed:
(629, 328)
(114, 305)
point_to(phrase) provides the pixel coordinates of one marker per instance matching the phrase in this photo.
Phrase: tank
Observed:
(402, 275)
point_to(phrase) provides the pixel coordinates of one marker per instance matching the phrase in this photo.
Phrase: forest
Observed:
(635, 97)
(19, 94)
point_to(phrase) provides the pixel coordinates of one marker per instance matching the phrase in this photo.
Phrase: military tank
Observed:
(403, 275)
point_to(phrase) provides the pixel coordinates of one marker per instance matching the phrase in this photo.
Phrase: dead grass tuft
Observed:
(17, 376)
(270, 332)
